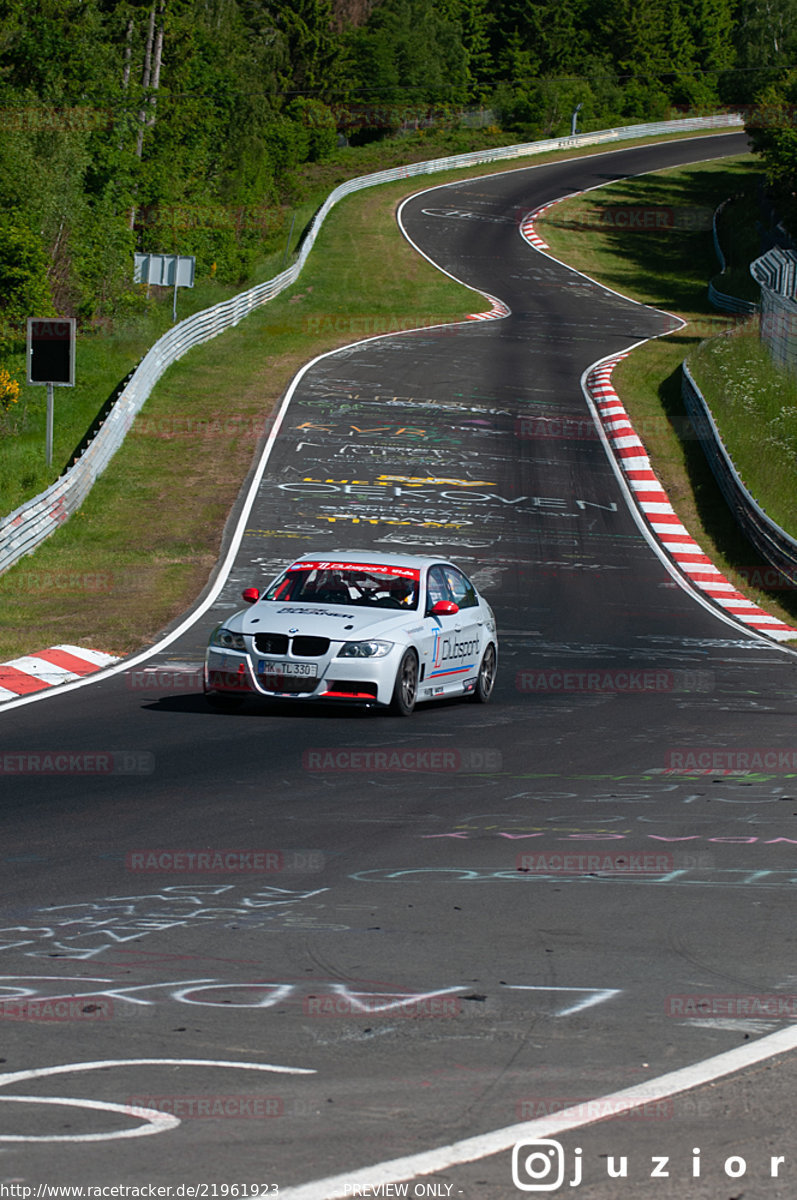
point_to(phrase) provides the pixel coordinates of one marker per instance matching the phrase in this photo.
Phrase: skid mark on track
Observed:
(473, 1149)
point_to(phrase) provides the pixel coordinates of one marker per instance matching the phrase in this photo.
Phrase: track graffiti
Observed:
(87, 930)
(699, 876)
(21, 993)
(612, 836)
(151, 1120)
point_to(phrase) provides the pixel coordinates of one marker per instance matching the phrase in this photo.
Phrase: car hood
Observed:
(336, 622)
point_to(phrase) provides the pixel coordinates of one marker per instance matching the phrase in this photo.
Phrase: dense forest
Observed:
(180, 124)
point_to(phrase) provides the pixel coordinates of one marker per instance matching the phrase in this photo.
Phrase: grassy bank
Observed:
(148, 536)
(106, 356)
(669, 268)
(755, 406)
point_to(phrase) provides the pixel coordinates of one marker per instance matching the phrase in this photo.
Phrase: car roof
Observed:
(375, 558)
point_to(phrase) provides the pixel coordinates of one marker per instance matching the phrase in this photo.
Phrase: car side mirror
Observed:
(251, 595)
(444, 608)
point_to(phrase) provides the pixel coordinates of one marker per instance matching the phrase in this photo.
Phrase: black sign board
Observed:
(51, 350)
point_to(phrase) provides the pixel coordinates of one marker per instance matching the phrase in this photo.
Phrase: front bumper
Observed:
(344, 680)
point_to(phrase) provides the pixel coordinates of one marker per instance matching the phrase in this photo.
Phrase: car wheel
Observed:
(485, 680)
(405, 690)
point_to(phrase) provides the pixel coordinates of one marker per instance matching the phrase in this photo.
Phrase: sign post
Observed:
(51, 361)
(165, 270)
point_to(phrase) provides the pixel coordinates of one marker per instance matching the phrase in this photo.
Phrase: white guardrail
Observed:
(772, 543)
(721, 300)
(28, 526)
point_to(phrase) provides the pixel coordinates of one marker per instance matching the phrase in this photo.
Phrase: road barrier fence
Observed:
(23, 530)
(771, 542)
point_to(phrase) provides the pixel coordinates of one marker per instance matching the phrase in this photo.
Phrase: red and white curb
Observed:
(497, 309)
(653, 501)
(650, 496)
(49, 668)
(528, 229)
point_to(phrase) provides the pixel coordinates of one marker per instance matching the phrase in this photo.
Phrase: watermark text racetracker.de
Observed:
(627, 680)
(67, 762)
(637, 218)
(66, 583)
(210, 1191)
(772, 1006)
(389, 1004)
(397, 758)
(55, 1008)
(594, 863)
(725, 759)
(542, 1166)
(210, 1106)
(224, 861)
(586, 1109)
(138, 1191)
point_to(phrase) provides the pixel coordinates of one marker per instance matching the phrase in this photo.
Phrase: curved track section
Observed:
(589, 891)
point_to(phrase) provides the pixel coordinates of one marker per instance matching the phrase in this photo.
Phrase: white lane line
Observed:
(77, 1068)
(484, 1145)
(197, 613)
(602, 398)
(595, 996)
(154, 1120)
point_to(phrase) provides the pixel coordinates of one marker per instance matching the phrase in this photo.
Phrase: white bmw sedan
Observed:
(359, 627)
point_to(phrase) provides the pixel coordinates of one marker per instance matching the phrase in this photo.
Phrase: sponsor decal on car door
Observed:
(453, 640)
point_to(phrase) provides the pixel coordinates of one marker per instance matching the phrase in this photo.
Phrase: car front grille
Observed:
(271, 643)
(310, 647)
(302, 647)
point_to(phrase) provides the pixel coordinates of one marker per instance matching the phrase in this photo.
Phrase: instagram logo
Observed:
(540, 1166)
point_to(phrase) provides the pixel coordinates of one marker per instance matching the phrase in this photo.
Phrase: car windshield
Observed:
(365, 584)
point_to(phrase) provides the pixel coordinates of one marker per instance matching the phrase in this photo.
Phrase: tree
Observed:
(772, 131)
(24, 286)
(311, 62)
(765, 38)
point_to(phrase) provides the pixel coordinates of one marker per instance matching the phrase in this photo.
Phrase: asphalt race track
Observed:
(542, 907)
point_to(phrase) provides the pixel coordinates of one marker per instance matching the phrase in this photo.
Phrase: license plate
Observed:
(291, 669)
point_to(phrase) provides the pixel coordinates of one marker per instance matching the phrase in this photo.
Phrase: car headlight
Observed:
(364, 649)
(227, 639)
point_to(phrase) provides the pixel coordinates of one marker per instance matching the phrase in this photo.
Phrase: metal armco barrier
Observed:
(718, 299)
(732, 304)
(776, 274)
(771, 542)
(25, 528)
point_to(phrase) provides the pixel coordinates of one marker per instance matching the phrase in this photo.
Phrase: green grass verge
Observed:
(754, 403)
(670, 269)
(105, 357)
(148, 536)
